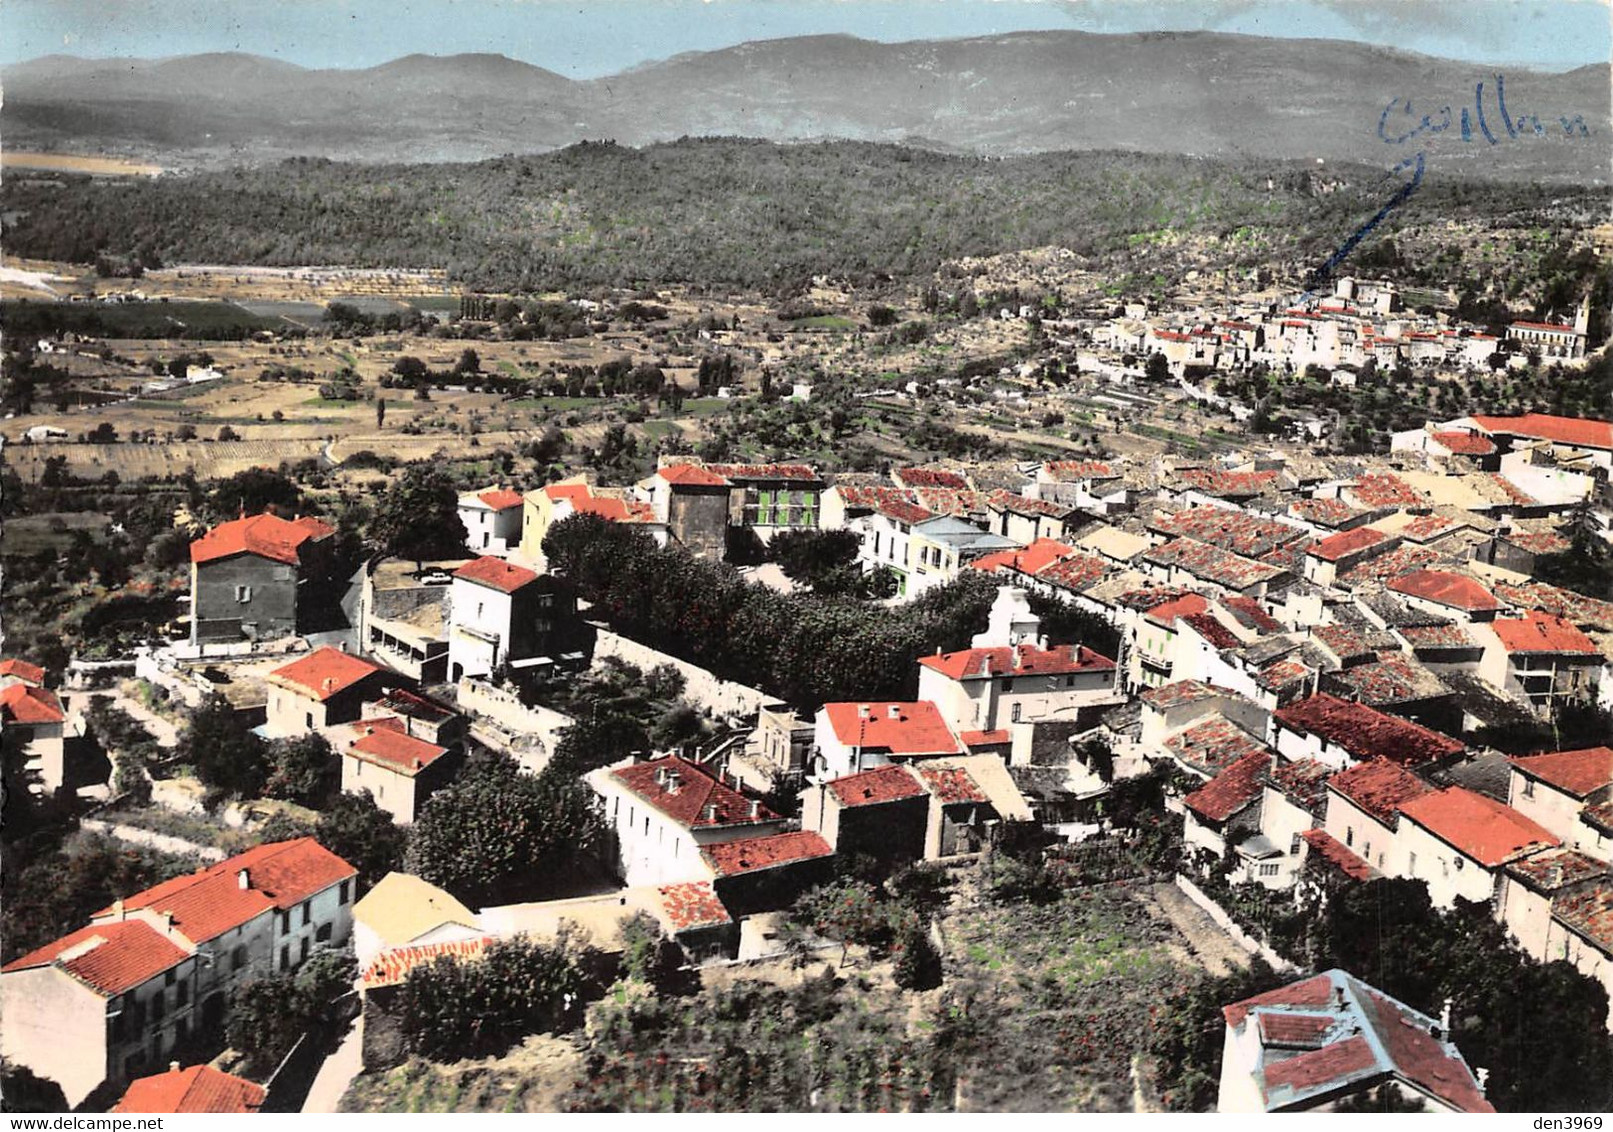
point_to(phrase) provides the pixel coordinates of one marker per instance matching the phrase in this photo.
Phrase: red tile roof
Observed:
(1455, 590)
(392, 967)
(1588, 912)
(324, 672)
(873, 787)
(1166, 613)
(1346, 543)
(691, 475)
(1231, 790)
(951, 784)
(1214, 744)
(1378, 788)
(495, 573)
(1541, 632)
(915, 728)
(1025, 560)
(1302, 781)
(1249, 613)
(1235, 531)
(1464, 443)
(1211, 629)
(108, 958)
(1307, 1071)
(211, 901)
(1384, 489)
(903, 510)
(931, 477)
(1075, 572)
(392, 748)
(692, 905)
(22, 670)
(1426, 528)
(951, 501)
(688, 794)
(1586, 612)
(266, 535)
(1327, 512)
(799, 473)
(976, 739)
(500, 498)
(1067, 470)
(1479, 827)
(1211, 563)
(1579, 773)
(1553, 869)
(1024, 505)
(1422, 1059)
(1365, 732)
(1335, 853)
(1023, 660)
(1295, 1031)
(1315, 991)
(24, 703)
(201, 1088)
(1179, 692)
(1230, 485)
(1577, 431)
(751, 854)
(1401, 560)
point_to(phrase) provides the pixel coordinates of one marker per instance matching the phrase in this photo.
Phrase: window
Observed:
(1069, 681)
(342, 892)
(285, 957)
(238, 958)
(1008, 683)
(1411, 863)
(1458, 864)
(1528, 788)
(307, 909)
(1014, 715)
(159, 1006)
(303, 951)
(1349, 836)
(308, 720)
(168, 978)
(1293, 846)
(285, 922)
(181, 1030)
(323, 934)
(1268, 870)
(182, 995)
(243, 594)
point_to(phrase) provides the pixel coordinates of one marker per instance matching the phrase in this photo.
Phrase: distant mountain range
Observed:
(1197, 93)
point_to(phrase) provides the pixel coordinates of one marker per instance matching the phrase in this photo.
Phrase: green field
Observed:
(29, 534)
(146, 319)
(434, 303)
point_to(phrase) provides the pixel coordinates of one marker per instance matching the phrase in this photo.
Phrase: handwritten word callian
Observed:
(1513, 126)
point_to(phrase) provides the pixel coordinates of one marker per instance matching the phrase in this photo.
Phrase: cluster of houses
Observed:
(1362, 322)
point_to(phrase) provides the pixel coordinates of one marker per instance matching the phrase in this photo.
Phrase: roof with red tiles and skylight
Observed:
(324, 672)
(875, 787)
(752, 854)
(1581, 432)
(1580, 773)
(900, 728)
(496, 574)
(109, 958)
(1536, 632)
(1365, 732)
(1478, 827)
(1458, 591)
(214, 900)
(1334, 1036)
(266, 535)
(1017, 660)
(689, 795)
(24, 703)
(200, 1088)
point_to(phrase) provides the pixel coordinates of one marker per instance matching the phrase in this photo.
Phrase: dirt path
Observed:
(1208, 945)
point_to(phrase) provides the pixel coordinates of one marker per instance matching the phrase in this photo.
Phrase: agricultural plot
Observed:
(29, 534)
(180, 319)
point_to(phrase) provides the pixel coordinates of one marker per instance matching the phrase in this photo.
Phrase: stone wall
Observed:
(1225, 922)
(718, 696)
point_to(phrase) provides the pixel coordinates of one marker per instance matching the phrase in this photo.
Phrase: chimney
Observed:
(709, 812)
(173, 1067)
(864, 711)
(330, 683)
(117, 909)
(1019, 658)
(985, 665)
(1445, 1017)
(755, 809)
(895, 711)
(243, 881)
(1338, 997)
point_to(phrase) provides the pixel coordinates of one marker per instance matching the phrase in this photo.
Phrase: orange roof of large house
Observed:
(266, 535)
(1582, 432)
(689, 795)
(200, 1088)
(391, 747)
(1026, 559)
(500, 498)
(1378, 787)
(1353, 541)
(1365, 732)
(691, 905)
(874, 787)
(392, 967)
(690, 475)
(583, 501)
(211, 901)
(1337, 854)
(907, 728)
(751, 854)
(1017, 660)
(24, 703)
(1232, 790)
(324, 672)
(22, 670)
(108, 958)
(1455, 590)
(1481, 828)
(1541, 632)
(1167, 612)
(1575, 772)
(497, 574)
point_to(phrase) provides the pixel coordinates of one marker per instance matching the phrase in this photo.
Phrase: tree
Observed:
(22, 1090)
(418, 517)
(380, 412)
(469, 362)
(498, 834)
(361, 833)
(453, 1008)
(267, 1015)
(810, 557)
(1157, 369)
(251, 492)
(228, 433)
(411, 369)
(303, 770)
(849, 912)
(918, 964)
(228, 758)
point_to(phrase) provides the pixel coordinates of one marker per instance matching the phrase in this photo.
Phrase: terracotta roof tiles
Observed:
(1480, 828)
(752, 854)
(24, 703)
(691, 906)
(1580, 773)
(22, 670)
(874, 787)
(1337, 854)
(1577, 431)
(497, 574)
(1536, 632)
(391, 968)
(1021, 660)
(266, 535)
(907, 728)
(200, 1088)
(688, 794)
(1378, 788)
(1233, 789)
(1365, 732)
(324, 672)
(108, 958)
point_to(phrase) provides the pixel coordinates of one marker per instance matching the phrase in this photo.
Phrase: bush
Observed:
(918, 964)
(451, 1008)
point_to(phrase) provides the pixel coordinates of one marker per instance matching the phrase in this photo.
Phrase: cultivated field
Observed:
(78, 163)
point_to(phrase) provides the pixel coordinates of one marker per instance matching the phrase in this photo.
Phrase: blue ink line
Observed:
(1325, 272)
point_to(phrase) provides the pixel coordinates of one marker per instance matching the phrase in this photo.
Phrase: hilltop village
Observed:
(585, 769)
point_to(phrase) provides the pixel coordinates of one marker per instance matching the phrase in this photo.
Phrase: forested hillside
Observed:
(737, 213)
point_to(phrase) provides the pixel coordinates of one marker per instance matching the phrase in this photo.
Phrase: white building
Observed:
(492, 519)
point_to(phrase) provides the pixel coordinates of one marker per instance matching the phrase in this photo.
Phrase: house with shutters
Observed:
(398, 770)
(324, 688)
(1570, 793)
(1315, 1044)
(492, 519)
(769, 498)
(248, 577)
(852, 737)
(102, 1004)
(503, 614)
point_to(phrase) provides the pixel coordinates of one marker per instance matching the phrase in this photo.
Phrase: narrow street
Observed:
(338, 1072)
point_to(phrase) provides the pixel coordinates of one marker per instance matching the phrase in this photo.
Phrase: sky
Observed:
(589, 38)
